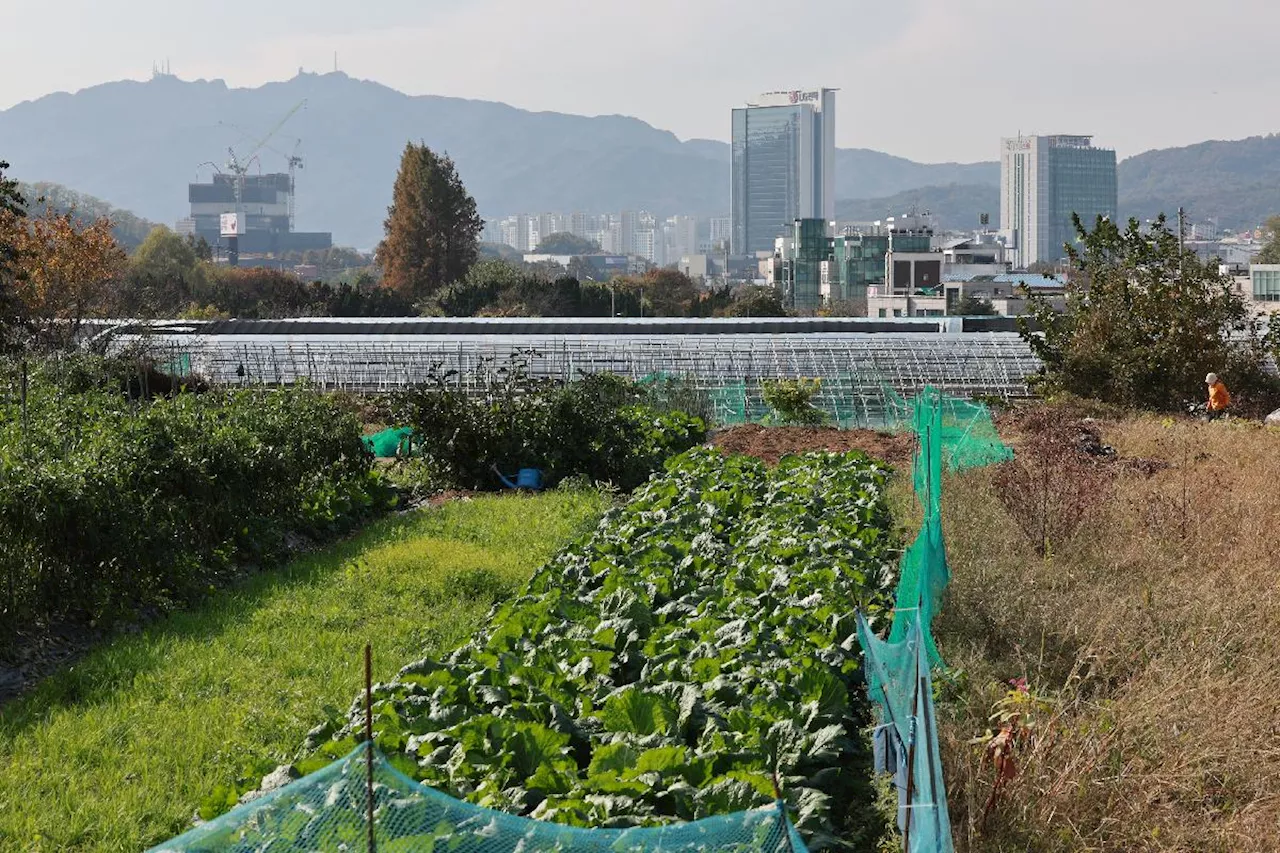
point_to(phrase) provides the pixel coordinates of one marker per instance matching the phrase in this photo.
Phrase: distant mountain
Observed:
(1233, 184)
(954, 206)
(863, 173)
(1236, 184)
(139, 144)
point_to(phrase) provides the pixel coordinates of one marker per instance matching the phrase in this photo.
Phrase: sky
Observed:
(931, 80)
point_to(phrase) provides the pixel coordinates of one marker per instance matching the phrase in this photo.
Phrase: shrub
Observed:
(600, 427)
(109, 504)
(792, 401)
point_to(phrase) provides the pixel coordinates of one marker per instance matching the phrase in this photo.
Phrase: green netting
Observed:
(898, 679)
(328, 811)
(390, 443)
(953, 434)
(729, 403)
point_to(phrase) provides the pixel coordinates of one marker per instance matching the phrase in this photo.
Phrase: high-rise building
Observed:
(629, 224)
(1043, 181)
(783, 166)
(721, 228)
(680, 238)
(264, 204)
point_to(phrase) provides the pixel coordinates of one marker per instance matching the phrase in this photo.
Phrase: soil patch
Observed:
(772, 443)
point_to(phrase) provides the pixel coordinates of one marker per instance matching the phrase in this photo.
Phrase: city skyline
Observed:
(917, 45)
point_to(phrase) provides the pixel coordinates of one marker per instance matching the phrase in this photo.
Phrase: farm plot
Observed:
(666, 666)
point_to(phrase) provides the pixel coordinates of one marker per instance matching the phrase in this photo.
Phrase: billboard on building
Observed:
(232, 224)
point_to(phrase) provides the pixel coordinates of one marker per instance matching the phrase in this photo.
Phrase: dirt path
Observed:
(772, 443)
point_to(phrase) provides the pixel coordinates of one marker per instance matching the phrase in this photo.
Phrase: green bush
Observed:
(110, 504)
(601, 427)
(1145, 319)
(792, 401)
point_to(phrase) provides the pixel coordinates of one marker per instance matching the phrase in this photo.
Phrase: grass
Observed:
(117, 752)
(1149, 632)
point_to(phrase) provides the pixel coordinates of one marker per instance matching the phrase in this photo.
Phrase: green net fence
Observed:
(390, 443)
(953, 435)
(328, 811)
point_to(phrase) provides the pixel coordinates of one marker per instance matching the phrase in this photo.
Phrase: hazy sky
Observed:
(928, 79)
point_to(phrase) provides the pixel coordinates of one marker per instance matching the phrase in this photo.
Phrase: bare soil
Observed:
(772, 443)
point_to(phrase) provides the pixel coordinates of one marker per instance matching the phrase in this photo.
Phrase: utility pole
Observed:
(1182, 242)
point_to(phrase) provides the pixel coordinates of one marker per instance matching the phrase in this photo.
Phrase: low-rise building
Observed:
(1006, 293)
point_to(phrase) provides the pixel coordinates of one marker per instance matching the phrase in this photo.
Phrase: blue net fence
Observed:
(953, 435)
(328, 811)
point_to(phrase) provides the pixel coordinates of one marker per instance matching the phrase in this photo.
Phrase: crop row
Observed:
(664, 668)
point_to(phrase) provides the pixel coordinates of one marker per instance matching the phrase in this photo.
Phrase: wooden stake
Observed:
(368, 734)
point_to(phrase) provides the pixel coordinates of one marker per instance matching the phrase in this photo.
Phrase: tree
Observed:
(66, 272)
(432, 228)
(758, 301)
(164, 254)
(1144, 321)
(564, 243)
(13, 207)
(665, 293)
(201, 247)
(969, 305)
(1270, 253)
(164, 273)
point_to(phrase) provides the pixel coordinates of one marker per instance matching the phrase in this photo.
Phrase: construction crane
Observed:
(239, 164)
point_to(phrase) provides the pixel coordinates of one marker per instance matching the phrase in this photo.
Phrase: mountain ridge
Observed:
(138, 143)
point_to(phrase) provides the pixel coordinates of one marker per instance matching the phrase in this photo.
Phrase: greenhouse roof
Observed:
(541, 326)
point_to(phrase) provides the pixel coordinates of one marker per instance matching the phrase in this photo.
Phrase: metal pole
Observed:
(368, 734)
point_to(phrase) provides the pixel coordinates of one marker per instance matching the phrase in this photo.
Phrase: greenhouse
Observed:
(860, 372)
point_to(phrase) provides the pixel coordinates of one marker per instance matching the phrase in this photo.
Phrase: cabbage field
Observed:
(667, 666)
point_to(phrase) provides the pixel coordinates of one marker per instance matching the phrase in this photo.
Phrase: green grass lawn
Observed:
(118, 751)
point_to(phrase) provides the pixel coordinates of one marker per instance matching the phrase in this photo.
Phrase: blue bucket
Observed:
(529, 478)
(526, 478)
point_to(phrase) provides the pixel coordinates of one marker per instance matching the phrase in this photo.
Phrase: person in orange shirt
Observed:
(1219, 398)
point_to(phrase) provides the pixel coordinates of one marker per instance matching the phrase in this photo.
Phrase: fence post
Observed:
(368, 733)
(25, 420)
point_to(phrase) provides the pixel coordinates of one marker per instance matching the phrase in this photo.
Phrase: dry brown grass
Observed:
(1153, 628)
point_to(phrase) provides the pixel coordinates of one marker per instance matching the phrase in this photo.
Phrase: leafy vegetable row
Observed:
(665, 667)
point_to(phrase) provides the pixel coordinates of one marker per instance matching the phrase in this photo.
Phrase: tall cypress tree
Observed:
(432, 228)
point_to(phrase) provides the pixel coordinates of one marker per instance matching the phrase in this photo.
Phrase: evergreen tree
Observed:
(432, 228)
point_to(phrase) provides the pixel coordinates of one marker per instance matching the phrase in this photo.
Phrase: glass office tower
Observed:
(783, 166)
(1043, 181)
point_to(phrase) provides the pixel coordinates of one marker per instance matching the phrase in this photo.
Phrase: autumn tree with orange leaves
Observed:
(61, 272)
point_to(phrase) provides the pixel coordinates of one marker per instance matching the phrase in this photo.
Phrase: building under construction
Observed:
(266, 206)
